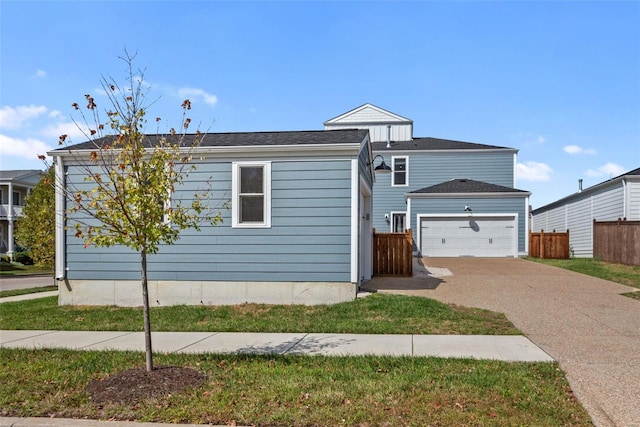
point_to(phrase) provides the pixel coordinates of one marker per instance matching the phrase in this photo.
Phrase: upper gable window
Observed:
(251, 198)
(400, 171)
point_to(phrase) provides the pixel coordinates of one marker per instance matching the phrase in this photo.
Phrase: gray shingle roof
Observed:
(251, 139)
(466, 186)
(17, 174)
(559, 202)
(434, 144)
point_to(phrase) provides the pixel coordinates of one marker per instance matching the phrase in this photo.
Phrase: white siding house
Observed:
(15, 186)
(616, 198)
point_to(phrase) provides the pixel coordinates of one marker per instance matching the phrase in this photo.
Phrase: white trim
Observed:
(391, 224)
(60, 187)
(420, 217)
(355, 220)
(448, 150)
(397, 119)
(406, 171)
(409, 214)
(465, 195)
(366, 232)
(235, 190)
(527, 227)
(515, 170)
(306, 150)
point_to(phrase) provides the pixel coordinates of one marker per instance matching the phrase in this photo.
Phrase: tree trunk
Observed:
(145, 305)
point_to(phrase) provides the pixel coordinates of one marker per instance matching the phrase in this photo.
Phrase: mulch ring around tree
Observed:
(136, 385)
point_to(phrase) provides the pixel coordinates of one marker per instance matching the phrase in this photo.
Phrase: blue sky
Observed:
(560, 81)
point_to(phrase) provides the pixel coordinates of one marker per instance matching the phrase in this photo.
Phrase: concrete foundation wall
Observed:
(165, 293)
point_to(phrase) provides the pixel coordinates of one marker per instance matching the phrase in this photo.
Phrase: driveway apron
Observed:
(581, 321)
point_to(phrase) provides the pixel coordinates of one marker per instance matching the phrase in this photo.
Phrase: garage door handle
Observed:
(444, 241)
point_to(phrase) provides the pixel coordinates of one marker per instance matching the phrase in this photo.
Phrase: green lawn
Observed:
(623, 274)
(376, 314)
(11, 269)
(299, 390)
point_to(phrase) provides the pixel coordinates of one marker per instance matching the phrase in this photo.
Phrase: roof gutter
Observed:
(465, 195)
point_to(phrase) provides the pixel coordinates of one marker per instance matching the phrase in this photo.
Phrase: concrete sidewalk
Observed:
(511, 348)
(25, 297)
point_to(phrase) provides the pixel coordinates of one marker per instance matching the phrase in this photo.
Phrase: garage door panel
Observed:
(481, 237)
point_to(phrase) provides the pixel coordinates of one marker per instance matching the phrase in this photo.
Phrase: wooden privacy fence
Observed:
(617, 241)
(392, 254)
(549, 245)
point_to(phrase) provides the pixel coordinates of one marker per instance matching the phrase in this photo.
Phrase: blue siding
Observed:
(493, 205)
(430, 168)
(309, 239)
(364, 167)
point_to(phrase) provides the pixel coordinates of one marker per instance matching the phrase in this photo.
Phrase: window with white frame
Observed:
(399, 171)
(251, 194)
(16, 199)
(398, 222)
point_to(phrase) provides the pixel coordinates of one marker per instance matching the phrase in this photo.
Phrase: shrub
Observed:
(23, 258)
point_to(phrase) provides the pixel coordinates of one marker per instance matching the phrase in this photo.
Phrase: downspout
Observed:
(60, 189)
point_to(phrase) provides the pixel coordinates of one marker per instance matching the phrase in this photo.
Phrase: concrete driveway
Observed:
(582, 322)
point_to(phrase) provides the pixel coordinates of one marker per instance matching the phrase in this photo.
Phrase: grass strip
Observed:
(619, 273)
(299, 391)
(12, 269)
(376, 314)
(18, 292)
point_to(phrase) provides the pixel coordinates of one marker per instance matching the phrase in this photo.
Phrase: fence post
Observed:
(541, 243)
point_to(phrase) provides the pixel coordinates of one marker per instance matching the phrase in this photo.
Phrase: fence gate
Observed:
(392, 254)
(549, 245)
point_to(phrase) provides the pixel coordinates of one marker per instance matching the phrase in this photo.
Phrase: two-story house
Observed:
(458, 198)
(318, 196)
(15, 186)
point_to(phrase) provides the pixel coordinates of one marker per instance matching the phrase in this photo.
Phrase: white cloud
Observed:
(63, 128)
(576, 149)
(40, 74)
(189, 92)
(534, 171)
(572, 149)
(541, 139)
(28, 148)
(608, 170)
(14, 118)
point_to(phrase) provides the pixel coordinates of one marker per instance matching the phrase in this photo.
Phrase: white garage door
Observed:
(469, 236)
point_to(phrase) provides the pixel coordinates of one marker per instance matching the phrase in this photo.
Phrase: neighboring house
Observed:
(310, 243)
(15, 186)
(615, 198)
(458, 198)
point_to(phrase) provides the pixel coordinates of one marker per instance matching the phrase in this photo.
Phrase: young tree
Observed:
(34, 229)
(130, 177)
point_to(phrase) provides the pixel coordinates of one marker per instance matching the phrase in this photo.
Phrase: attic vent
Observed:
(463, 180)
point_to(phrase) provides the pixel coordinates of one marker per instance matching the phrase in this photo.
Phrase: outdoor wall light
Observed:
(467, 208)
(382, 167)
